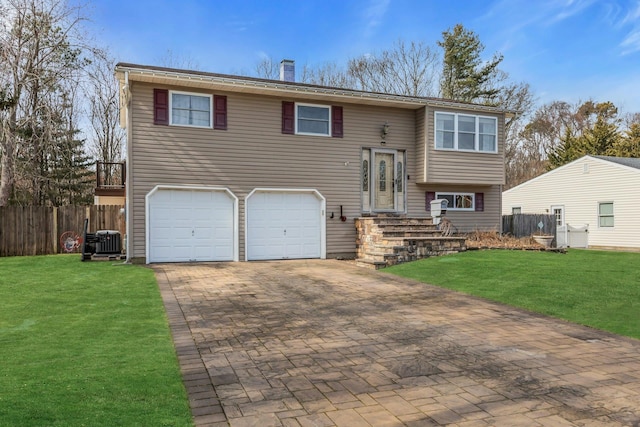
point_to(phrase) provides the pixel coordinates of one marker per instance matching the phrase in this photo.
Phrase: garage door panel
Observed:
(282, 225)
(191, 225)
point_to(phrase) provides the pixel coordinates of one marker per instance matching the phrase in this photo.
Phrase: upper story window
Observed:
(313, 119)
(464, 132)
(188, 109)
(458, 201)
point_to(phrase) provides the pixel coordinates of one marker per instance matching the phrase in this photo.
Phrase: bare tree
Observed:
(106, 138)
(39, 42)
(327, 74)
(171, 59)
(405, 69)
(267, 68)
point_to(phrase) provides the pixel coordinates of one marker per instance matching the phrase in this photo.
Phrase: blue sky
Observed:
(570, 50)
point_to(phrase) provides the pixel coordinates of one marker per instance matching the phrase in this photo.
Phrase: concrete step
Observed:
(409, 233)
(375, 265)
(386, 222)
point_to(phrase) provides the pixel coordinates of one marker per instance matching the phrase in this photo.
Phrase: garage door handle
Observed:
(193, 233)
(285, 232)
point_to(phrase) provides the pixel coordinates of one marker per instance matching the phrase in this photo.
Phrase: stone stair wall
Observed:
(388, 240)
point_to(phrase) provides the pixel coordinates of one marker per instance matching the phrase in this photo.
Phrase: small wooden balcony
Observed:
(110, 180)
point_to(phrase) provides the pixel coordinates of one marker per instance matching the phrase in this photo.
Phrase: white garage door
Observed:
(284, 225)
(190, 225)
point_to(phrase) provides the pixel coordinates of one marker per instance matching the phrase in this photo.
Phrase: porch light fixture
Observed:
(384, 132)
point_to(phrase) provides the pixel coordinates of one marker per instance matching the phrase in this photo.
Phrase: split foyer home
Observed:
(233, 168)
(595, 201)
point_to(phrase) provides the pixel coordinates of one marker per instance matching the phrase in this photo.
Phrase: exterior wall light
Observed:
(384, 132)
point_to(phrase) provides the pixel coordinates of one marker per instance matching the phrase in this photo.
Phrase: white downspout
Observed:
(127, 95)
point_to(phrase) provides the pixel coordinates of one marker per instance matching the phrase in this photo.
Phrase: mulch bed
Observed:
(491, 240)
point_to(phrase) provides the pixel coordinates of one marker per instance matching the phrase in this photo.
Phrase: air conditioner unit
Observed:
(108, 242)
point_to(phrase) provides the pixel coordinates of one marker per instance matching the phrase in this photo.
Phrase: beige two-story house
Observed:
(232, 168)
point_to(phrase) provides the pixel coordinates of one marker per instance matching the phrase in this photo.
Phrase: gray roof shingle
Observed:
(632, 162)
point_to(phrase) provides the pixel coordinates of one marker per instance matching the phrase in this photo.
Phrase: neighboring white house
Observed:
(598, 193)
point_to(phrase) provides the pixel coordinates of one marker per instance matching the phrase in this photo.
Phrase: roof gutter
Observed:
(238, 84)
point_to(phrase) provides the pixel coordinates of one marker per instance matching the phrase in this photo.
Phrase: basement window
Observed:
(458, 201)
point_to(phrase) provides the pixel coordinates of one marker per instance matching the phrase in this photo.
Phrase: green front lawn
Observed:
(85, 344)
(594, 288)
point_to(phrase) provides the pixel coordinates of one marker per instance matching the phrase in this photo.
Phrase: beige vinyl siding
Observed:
(254, 153)
(489, 219)
(421, 136)
(457, 167)
(580, 193)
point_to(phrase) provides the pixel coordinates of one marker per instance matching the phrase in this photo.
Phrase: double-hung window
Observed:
(188, 109)
(464, 132)
(605, 214)
(458, 201)
(313, 119)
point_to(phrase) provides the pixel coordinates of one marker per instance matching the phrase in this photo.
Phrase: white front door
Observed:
(383, 180)
(383, 183)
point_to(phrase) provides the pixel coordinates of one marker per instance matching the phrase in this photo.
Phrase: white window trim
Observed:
(456, 132)
(516, 207)
(613, 214)
(203, 95)
(301, 104)
(454, 194)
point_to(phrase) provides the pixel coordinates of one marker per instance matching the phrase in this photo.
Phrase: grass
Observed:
(85, 344)
(594, 288)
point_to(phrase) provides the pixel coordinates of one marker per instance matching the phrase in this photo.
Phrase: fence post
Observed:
(56, 248)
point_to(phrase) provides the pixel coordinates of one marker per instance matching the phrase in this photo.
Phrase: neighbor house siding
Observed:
(253, 152)
(458, 167)
(580, 190)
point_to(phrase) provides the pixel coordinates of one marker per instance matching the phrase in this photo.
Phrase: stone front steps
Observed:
(388, 240)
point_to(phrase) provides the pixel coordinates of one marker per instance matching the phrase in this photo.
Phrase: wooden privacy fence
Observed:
(37, 230)
(522, 225)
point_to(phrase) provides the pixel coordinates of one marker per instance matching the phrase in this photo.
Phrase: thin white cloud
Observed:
(518, 15)
(374, 15)
(632, 15)
(631, 42)
(567, 9)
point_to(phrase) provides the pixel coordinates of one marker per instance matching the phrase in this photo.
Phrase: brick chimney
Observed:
(287, 70)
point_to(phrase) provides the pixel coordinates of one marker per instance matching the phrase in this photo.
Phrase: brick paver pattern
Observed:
(326, 343)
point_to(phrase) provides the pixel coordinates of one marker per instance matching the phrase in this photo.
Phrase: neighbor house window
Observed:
(458, 201)
(605, 214)
(466, 132)
(313, 119)
(188, 109)
(517, 210)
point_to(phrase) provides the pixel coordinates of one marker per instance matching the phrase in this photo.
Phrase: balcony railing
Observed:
(110, 178)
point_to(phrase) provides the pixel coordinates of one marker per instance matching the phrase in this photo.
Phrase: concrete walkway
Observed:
(325, 343)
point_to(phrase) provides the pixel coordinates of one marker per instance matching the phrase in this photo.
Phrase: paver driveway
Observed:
(324, 343)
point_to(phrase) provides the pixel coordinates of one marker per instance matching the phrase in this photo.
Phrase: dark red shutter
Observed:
(429, 196)
(288, 117)
(336, 122)
(160, 106)
(479, 202)
(220, 112)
